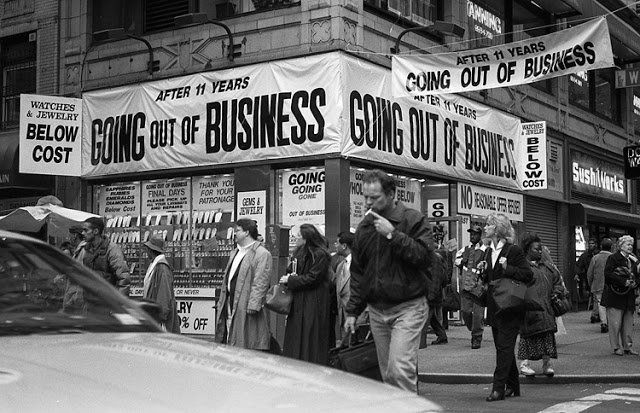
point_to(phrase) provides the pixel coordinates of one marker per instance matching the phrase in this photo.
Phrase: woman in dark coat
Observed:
(306, 336)
(618, 296)
(537, 334)
(503, 259)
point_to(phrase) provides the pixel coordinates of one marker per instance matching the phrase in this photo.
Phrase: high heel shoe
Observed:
(495, 396)
(510, 392)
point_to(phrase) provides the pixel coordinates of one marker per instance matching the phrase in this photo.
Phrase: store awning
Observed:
(10, 177)
(578, 214)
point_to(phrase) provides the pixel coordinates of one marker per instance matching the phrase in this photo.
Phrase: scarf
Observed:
(147, 276)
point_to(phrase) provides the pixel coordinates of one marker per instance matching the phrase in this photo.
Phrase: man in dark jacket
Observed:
(391, 252)
(104, 256)
(467, 260)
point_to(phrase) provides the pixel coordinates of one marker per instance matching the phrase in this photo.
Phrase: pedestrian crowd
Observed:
(396, 276)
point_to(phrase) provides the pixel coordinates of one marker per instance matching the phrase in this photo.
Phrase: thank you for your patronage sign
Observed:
(580, 48)
(50, 135)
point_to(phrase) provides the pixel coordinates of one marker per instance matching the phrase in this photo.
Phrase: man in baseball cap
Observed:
(471, 310)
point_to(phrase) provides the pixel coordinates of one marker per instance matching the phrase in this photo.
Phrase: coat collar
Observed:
(397, 213)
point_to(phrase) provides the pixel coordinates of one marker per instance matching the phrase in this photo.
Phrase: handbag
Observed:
(451, 298)
(560, 304)
(508, 294)
(278, 299)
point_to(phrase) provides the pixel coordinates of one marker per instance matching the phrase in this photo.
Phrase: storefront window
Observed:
(192, 215)
(301, 200)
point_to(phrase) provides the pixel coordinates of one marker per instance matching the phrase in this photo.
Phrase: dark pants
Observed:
(435, 321)
(505, 331)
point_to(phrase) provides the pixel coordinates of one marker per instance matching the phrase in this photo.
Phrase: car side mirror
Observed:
(150, 308)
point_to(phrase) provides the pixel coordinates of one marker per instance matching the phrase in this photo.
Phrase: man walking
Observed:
(242, 319)
(103, 256)
(582, 265)
(390, 255)
(595, 276)
(467, 260)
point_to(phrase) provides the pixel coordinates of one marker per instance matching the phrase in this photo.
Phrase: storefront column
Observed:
(337, 197)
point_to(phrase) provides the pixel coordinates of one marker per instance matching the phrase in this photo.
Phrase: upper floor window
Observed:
(595, 91)
(145, 16)
(421, 12)
(18, 66)
(636, 110)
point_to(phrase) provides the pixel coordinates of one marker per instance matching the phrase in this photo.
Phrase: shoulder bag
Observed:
(278, 299)
(513, 295)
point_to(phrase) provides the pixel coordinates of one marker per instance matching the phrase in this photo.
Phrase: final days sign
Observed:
(50, 135)
(580, 48)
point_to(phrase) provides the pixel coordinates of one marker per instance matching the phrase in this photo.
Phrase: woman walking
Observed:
(503, 260)
(618, 296)
(537, 334)
(306, 336)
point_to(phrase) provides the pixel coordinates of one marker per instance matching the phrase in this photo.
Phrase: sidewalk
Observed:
(584, 356)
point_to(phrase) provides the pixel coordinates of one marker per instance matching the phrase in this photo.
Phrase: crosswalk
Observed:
(578, 405)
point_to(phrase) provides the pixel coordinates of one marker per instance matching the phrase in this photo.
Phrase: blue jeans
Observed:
(396, 331)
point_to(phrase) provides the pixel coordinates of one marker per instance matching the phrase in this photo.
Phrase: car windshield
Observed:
(44, 291)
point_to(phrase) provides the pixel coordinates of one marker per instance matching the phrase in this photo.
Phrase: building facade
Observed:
(302, 88)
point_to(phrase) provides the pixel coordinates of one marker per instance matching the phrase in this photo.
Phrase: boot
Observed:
(546, 368)
(604, 328)
(526, 370)
(475, 342)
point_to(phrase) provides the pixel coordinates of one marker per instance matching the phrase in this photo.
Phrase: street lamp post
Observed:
(120, 34)
(192, 19)
(437, 26)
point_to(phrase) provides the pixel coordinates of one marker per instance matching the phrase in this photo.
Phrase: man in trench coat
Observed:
(242, 319)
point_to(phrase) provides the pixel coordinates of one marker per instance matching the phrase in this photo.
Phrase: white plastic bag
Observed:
(560, 324)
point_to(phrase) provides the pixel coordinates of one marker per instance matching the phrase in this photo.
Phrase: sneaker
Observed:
(618, 352)
(631, 352)
(547, 370)
(604, 328)
(526, 370)
(439, 341)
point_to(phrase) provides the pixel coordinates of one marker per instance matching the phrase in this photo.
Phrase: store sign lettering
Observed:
(484, 22)
(597, 178)
(594, 176)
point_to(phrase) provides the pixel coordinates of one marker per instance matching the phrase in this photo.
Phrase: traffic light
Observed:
(236, 51)
(153, 66)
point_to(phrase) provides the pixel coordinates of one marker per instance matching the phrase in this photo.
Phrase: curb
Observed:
(444, 378)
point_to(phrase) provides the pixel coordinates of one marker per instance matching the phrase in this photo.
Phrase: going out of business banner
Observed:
(580, 48)
(270, 110)
(447, 135)
(50, 135)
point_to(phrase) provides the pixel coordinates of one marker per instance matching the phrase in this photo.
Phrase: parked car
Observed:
(70, 342)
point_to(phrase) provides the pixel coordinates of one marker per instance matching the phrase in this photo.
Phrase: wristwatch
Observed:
(390, 235)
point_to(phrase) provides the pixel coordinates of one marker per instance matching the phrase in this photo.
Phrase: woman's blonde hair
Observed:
(503, 229)
(624, 239)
